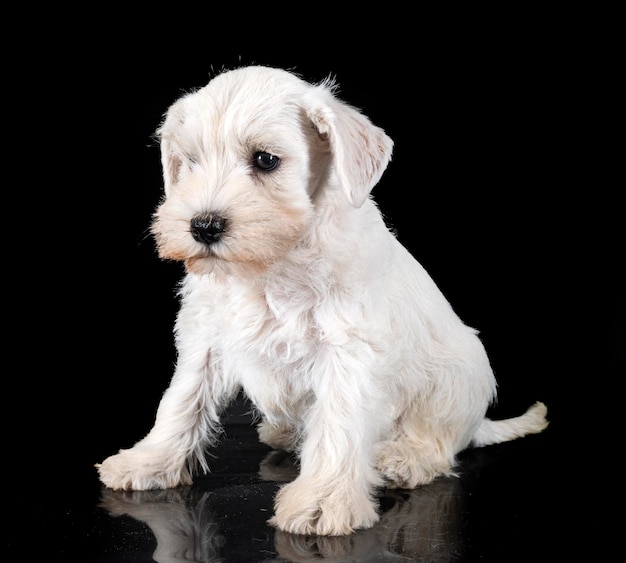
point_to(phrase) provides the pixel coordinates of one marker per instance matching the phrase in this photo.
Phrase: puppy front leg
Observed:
(186, 423)
(333, 495)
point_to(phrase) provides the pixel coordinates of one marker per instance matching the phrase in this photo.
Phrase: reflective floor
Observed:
(506, 505)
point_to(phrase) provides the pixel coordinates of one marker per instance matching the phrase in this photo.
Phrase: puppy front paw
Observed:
(142, 470)
(336, 509)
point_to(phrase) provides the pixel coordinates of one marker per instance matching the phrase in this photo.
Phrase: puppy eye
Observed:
(265, 161)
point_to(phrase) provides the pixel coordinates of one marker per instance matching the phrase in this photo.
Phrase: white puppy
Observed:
(297, 292)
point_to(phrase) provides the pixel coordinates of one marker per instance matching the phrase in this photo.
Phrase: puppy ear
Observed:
(171, 157)
(361, 151)
(171, 163)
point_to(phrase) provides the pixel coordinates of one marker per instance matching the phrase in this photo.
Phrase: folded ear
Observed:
(361, 151)
(171, 162)
(171, 157)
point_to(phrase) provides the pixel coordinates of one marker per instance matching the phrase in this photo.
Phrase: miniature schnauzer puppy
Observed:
(298, 294)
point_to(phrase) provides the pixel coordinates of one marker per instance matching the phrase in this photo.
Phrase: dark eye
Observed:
(265, 161)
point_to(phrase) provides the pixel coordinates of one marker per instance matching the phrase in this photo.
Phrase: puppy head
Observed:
(245, 161)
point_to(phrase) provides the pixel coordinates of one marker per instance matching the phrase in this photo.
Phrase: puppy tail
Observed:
(533, 421)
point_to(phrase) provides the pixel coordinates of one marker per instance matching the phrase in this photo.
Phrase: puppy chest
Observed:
(271, 358)
(285, 332)
(276, 343)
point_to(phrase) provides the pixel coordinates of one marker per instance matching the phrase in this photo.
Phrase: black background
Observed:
(499, 185)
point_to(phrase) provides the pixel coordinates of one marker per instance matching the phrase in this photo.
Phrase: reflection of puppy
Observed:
(419, 524)
(425, 523)
(422, 524)
(297, 293)
(182, 525)
(278, 466)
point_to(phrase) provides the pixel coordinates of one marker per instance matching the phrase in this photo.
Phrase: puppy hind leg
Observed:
(277, 436)
(406, 463)
(416, 458)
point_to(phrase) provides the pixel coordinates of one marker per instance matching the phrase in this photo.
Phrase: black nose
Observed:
(207, 228)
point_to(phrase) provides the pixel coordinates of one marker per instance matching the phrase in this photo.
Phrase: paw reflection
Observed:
(180, 519)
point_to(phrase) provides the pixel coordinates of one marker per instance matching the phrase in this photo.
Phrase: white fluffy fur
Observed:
(342, 341)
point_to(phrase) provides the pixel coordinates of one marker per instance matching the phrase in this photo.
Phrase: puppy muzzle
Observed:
(207, 228)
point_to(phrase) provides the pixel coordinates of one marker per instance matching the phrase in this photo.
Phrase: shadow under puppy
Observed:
(297, 292)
